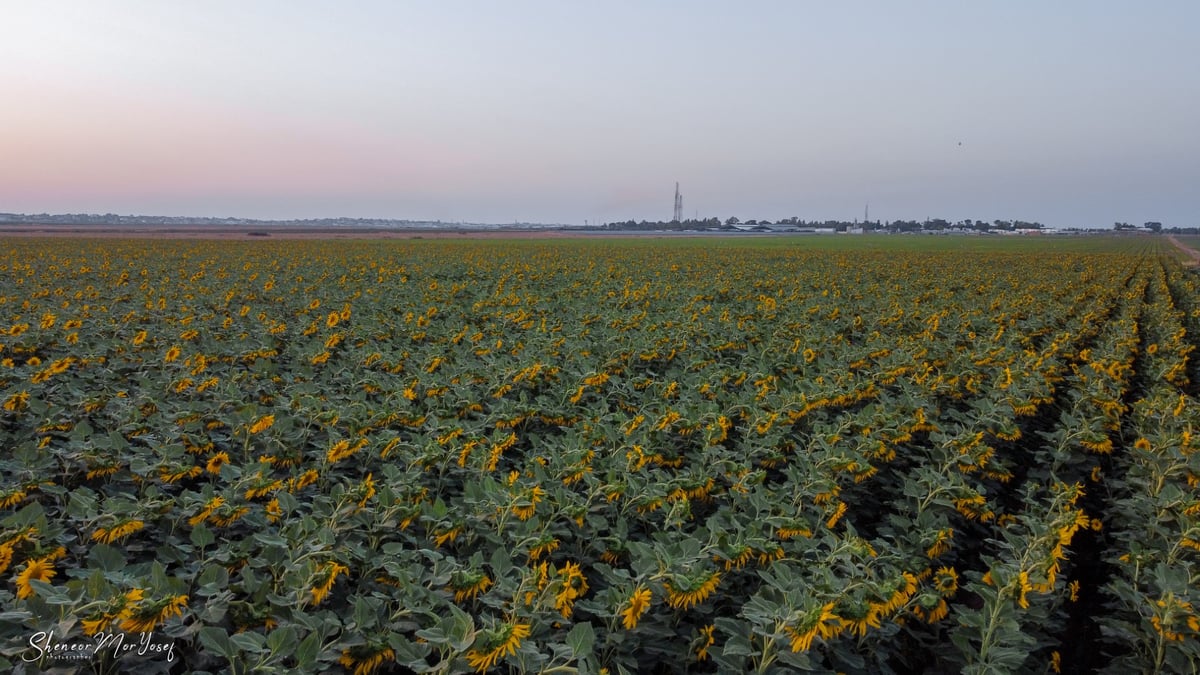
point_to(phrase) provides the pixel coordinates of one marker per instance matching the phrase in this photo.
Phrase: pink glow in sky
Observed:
(1074, 114)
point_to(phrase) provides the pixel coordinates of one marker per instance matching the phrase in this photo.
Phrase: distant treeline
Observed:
(734, 224)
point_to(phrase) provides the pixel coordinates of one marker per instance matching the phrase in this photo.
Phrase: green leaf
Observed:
(106, 558)
(307, 651)
(215, 639)
(202, 536)
(501, 561)
(581, 638)
(248, 641)
(460, 629)
(212, 578)
(365, 613)
(271, 539)
(737, 645)
(408, 653)
(282, 640)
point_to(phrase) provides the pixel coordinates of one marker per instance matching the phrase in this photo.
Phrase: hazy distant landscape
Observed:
(59, 224)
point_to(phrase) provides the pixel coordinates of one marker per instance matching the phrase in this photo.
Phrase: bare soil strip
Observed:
(1193, 255)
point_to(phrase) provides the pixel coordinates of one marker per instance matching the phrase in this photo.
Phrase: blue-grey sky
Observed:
(1071, 113)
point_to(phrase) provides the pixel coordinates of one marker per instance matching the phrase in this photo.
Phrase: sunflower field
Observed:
(598, 456)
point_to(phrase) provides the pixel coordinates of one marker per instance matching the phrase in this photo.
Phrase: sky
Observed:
(1072, 113)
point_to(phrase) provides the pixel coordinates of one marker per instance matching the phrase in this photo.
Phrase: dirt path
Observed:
(1193, 255)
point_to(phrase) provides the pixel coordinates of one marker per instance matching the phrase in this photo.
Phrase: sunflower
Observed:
(738, 560)
(545, 545)
(35, 570)
(468, 585)
(262, 424)
(766, 557)
(216, 462)
(120, 608)
(941, 543)
(974, 508)
(946, 581)
(176, 474)
(705, 640)
(817, 622)
(572, 585)
(328, 576)
(638, 604)
(786, 533)
(6, 555)
(837, 515)
(342, 449)
(172, 353)
(1024, 586)
(861, 618)
(227, 515)
(12, 497)
(17, 401)
(263, 487)
(61, 366)
(366, 490)
(144, 618)
(212, 505)
(274, 512)
(1173, 618)
(119, 531)
(692, 591)
(502, 642)
(906, 586)
(303, 480)
(365, 660)
(936, 611)
(1102, 447)
(101, 471)
(525, 505)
